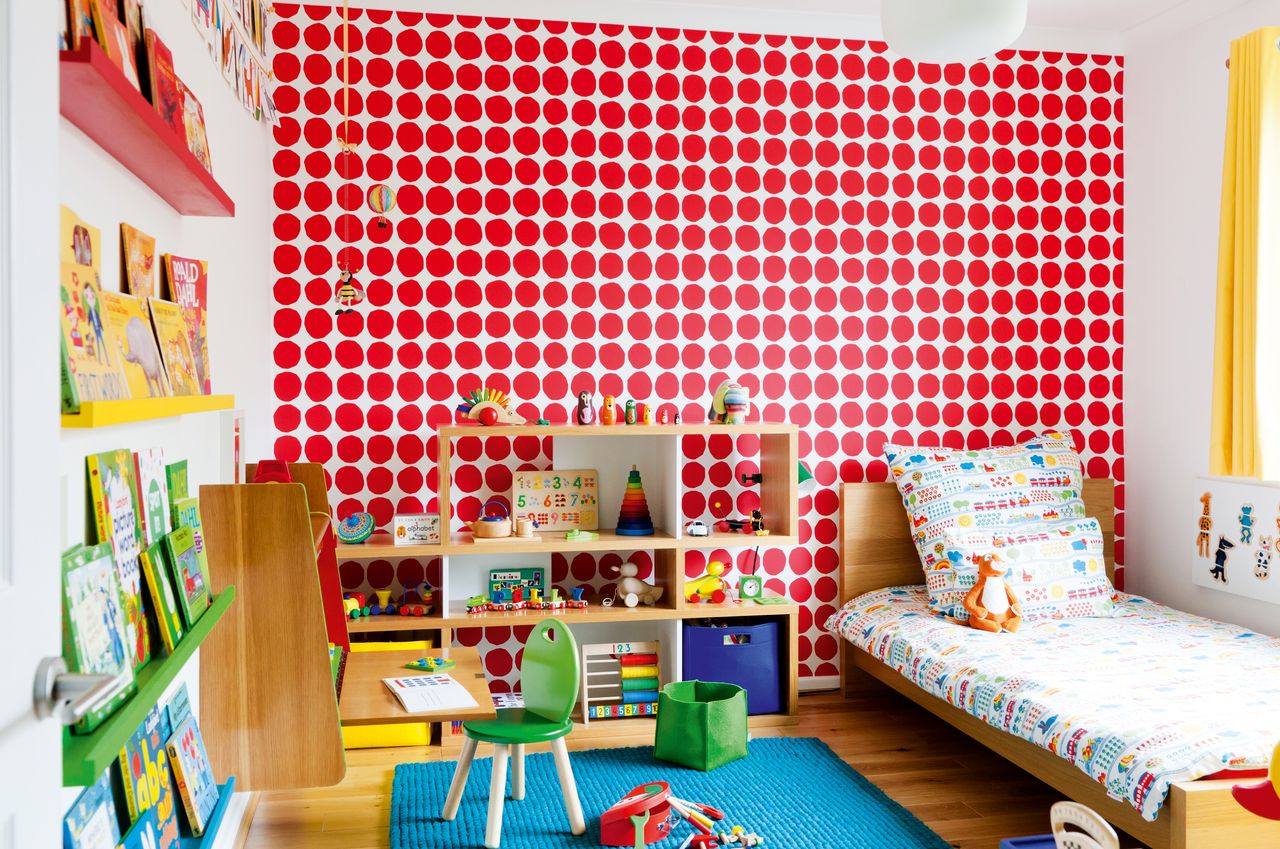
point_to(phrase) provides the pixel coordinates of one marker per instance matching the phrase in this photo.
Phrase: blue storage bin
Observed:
(1039, 841)
(746, 655)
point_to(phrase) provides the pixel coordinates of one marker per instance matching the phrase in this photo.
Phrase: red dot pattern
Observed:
(880, 250)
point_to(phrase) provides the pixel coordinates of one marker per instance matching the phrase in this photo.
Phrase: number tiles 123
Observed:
(557, 499)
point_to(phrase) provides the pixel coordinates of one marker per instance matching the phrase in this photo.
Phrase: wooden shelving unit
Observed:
(104, 105)
(127, 411)
(657, 449)
(86, 756)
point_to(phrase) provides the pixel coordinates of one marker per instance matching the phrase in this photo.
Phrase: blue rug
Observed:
(794, 792)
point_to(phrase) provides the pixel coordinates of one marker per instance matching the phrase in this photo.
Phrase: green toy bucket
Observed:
(701, 724)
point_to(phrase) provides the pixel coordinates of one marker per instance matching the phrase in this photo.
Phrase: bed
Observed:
(934, 663)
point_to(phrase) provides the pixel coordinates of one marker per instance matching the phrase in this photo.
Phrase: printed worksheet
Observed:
(426, 693)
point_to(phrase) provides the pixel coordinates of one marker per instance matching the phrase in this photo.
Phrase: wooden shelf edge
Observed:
(210, 836)
(85, 756)
(106, 413)
(96, 97)
(553, 542)
(455, 431)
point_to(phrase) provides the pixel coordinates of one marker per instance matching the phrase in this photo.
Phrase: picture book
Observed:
(129, 332)
(187, 515)
(91, 822)
(166, 93)
(188, 578)
(115, 514)
(175, 476)
(187, 283)
(80, 26)
(145, 833)
(179, 706)
(193, 123)
(138, 257)
(94, 638)
(190, 765)
(175, 350)
(153, 494)
(90, 370)
(146, 779)
(114, 37)
(79, 243)
(163, 601)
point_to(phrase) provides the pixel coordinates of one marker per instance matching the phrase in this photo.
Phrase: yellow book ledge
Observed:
(103, 413)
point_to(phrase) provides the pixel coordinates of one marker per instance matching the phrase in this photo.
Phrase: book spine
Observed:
(140, 508)
(99, 497)
(184, 790)
(130, 790)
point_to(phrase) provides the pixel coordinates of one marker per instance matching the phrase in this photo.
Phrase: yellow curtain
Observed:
(1247, 261)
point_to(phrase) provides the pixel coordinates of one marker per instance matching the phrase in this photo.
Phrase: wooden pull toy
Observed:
(489, 407)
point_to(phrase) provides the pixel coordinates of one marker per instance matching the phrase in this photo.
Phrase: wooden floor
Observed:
(969, 796)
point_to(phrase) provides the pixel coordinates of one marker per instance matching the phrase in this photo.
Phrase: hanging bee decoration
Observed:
(347, 292)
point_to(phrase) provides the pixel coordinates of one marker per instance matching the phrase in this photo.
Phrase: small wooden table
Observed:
(367, 701)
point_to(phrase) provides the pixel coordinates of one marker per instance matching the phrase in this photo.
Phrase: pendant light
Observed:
(946, 31)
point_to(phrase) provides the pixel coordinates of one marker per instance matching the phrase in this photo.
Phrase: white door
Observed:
(30, 608)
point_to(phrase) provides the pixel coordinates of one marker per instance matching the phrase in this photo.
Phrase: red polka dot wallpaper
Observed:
(879, 250)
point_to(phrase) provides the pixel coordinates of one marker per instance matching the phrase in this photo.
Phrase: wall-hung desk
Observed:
(367, 701)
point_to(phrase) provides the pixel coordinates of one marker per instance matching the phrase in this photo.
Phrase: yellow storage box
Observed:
(393, 734)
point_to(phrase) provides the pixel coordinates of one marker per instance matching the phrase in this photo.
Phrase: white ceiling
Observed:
(1101, 26)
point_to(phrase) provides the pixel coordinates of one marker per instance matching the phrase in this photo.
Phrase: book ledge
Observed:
(87, 756)
(104, 413)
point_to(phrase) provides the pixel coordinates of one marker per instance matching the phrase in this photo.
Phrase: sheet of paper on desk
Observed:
(425, 693)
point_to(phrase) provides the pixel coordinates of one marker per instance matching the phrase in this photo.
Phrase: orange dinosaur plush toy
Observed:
(991, 603)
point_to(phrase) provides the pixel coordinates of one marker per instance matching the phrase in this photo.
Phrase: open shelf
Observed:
(85, 756)
(210, 835)
(457, 616)
(699, 429)
(105, 413)
(380, 546)
(98, 98)
(392, 624)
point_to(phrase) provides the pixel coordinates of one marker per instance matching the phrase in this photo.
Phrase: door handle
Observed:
(69, 696)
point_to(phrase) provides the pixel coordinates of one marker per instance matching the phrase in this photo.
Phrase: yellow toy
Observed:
(1263, 798)
(709, 587)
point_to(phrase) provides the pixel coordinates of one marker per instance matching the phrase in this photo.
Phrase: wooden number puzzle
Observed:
(557, 499)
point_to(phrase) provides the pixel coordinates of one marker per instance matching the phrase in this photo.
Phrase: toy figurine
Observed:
(631, 412)
(489, 407)
(730, 404)
(992, 604)
(662, 416)
(631, 590)
(586, 409)
(1219, 570)
(348, 294)
(675, 419)
(608, 412)
(646, 414)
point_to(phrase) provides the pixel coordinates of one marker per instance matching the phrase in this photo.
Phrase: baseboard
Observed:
(819, 682)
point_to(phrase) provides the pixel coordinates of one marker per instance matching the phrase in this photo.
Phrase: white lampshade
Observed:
(945, 31)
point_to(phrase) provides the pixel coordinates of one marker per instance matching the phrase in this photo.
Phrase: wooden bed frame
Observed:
(877, 552)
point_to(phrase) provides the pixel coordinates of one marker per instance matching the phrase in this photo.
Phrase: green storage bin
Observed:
(701, 724)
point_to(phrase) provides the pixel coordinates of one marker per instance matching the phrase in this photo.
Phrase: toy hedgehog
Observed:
(489, 407)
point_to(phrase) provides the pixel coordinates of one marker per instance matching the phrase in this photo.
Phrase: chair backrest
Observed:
(1095, 832)
(550, 671)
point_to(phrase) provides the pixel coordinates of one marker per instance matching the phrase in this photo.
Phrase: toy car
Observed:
(696, 529)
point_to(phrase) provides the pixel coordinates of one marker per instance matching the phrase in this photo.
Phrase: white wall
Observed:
(238, 249)
(1175, 113)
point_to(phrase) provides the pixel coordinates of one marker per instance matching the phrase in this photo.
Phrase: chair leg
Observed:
(572, 805)
(459, 778)
(497, 790)
(517, 771)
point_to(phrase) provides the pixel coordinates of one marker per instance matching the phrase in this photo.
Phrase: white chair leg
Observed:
(459, 782)
(497, 790)
(517, 771)
(572, 805)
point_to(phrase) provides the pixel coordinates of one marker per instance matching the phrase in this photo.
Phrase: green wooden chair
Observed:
(550, 673)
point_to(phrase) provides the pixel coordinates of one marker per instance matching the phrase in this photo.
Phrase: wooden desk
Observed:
(367, 701)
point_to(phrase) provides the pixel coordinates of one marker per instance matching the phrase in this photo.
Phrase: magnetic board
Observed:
(1234, 537)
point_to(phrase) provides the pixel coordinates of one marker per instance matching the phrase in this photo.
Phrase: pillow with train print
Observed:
(989, 489)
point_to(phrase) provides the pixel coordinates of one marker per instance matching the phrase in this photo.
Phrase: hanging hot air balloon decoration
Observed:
(381, 199)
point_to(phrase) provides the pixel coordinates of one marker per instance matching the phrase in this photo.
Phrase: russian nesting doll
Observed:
(608, 412)
(586, 409)
(631, 411)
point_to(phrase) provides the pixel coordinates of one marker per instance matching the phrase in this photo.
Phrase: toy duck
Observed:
(991, 604)
(1262, 798)
(608, 412)
(586, 409)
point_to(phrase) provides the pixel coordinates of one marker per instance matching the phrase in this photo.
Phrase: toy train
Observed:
(513, 598)
(419, 602)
